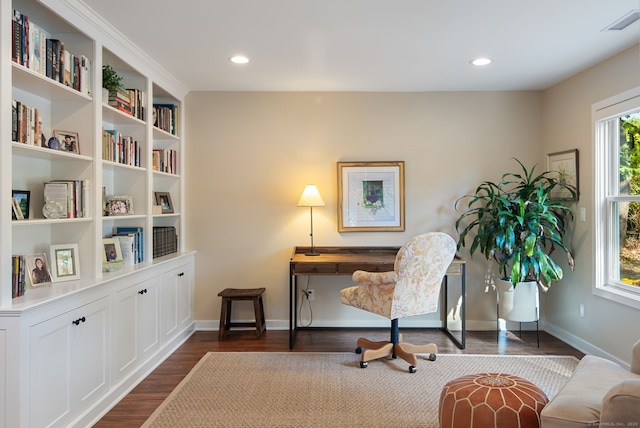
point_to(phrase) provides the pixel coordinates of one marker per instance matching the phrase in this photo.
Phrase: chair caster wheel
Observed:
(412, 369)
(363, 364)
(432, 357)
(358, 350)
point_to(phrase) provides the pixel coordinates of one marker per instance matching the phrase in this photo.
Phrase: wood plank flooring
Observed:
(138, 405)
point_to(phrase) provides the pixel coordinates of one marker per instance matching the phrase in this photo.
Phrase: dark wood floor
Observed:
(138, 405)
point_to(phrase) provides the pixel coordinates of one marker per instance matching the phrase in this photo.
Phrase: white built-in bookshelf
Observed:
(103, 299)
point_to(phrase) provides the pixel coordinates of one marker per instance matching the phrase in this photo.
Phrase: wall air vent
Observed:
(624, 22)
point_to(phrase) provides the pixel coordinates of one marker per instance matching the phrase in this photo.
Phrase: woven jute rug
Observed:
(247, 389)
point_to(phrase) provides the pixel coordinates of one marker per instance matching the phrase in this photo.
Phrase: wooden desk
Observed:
(345, 261)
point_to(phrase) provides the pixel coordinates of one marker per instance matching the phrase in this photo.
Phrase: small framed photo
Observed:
(68, 141)
(119, 205)
(164, 200)
(370, 196)
(65, 262)
(38, 269)
(564, 167)
(111, 255)
(21, 200)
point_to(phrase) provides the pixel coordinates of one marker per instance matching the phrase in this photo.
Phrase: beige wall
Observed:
(251, 154)
(608, 326)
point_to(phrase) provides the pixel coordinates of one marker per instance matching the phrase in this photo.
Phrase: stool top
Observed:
(241, 292)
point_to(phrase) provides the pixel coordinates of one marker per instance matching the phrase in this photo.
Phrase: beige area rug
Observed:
(266, 389)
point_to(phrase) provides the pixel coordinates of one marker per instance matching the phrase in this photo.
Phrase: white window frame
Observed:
(606, 197)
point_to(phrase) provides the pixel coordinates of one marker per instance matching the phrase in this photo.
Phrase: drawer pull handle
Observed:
(142, 291)
(181, 274)
(78, 321)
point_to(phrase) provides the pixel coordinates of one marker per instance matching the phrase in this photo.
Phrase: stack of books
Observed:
(71, 195)
(120, 148)
(131, 243)
(120, 100)
(18, 276)
(165, 160)
(26, 125)
(165, 117)
(165, 241)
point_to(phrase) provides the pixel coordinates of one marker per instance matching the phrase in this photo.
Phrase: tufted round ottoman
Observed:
(491, 400)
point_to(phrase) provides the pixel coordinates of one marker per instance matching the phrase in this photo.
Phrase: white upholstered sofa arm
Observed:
(621, 405)
(375, 278)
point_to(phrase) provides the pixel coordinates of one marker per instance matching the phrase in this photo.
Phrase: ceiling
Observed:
(372, 45)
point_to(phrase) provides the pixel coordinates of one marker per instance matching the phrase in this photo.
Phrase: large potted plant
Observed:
(519, 223)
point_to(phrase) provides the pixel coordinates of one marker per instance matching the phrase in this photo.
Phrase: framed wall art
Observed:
(564, 166)
(65, 262)
(164, 200)
(370, 196)
(68, 141)
(38, 269)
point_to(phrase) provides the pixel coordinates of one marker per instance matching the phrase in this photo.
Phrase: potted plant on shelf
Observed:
(111, 81)
(518, 223)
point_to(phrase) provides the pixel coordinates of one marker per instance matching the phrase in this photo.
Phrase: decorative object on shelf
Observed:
(54, 210)
(53, 143)
(111, 255)
(565, 166)
(370, 196)
(65, 262)
(68, 141)
(21, 201)
(119, 205)
(518, 224)
(311, 198)
(38, 269)
(111, 80)
(164, 200)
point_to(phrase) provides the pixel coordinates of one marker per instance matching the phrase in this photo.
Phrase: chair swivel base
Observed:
(406, 351)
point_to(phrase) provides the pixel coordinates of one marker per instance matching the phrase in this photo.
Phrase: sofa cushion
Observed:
(579, 401)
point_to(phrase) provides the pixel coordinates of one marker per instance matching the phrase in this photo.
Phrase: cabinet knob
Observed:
(181, 274)
(142, 291)
(79, 320)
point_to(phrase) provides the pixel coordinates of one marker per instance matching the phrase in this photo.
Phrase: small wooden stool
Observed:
(228, 296)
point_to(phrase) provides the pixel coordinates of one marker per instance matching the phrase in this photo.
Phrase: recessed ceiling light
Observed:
(239, 59)
(480, 61)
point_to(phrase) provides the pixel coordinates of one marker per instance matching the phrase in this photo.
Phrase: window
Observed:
(617, 198)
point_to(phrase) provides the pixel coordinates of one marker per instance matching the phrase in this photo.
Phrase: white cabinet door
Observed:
(68, 364)
(177, 300)
(135, 325)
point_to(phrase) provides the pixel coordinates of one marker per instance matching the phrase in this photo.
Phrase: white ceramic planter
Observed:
(521, 303)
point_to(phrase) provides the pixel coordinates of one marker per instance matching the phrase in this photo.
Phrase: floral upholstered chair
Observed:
(413, 288)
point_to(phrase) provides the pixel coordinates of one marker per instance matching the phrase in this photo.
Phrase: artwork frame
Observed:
(69, 141)
(164, 200)
(43, 277)
(371, 196)
(565, 167)
(21, 200)
(65, 262)
(112, 259)
(118, 205)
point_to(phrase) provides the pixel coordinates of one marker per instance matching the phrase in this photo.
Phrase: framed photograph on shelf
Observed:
(370, 196)
(111, 255)
(164, 200)
(118, 205)
(65, 262)
(68, 141)
(564, 167)
(38, 269)
(21, 201)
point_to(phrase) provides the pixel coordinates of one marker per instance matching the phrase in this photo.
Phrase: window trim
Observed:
(618, 105)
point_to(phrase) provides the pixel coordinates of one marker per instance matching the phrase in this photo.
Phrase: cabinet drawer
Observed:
(317, 268)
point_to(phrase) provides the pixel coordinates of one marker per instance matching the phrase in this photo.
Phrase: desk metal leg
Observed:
(293, 309)
(460, 343)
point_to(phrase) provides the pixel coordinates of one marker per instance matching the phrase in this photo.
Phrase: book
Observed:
(58, 192)
(138, 240)
(16, 39)
(128, 247)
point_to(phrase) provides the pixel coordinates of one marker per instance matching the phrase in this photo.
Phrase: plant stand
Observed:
(520, 304)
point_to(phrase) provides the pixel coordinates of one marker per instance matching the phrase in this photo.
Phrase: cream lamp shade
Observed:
(311, 197)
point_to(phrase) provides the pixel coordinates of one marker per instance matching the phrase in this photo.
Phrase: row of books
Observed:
(166, 117)
(128, 101)
(26, 125)
(18, 278)
(131, 244)
(71, 195)
(120, 148)
(165, 241)
(165, 160)
(34, 49)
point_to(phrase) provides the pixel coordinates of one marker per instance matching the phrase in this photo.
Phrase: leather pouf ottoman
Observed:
(491, 400)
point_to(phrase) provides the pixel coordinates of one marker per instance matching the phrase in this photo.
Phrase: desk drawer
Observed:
(349, 268)
(317, 268)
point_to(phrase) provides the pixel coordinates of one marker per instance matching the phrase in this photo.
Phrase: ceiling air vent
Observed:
(624, 22)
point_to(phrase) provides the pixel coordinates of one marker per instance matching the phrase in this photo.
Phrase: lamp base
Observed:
(312, 254)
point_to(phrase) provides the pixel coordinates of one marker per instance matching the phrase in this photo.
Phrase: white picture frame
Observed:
(65, 262)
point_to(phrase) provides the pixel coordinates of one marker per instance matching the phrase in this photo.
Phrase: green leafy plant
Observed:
(518, 224)
(111, 80)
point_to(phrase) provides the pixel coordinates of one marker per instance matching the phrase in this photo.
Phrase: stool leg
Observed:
(259, 314)
(223, 318)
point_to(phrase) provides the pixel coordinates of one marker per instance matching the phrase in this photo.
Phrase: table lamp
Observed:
(311, 198)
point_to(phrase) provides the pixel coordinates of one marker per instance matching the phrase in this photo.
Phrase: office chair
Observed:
(412, 288)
